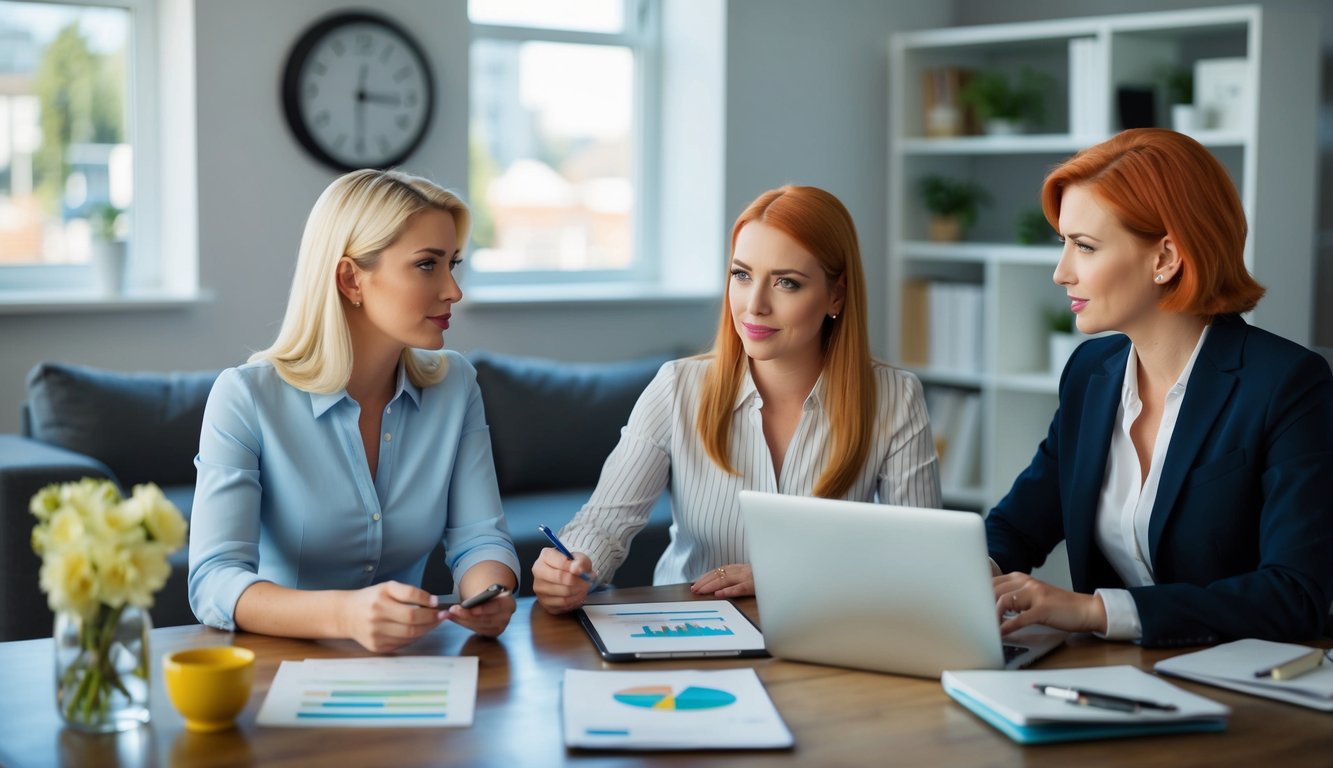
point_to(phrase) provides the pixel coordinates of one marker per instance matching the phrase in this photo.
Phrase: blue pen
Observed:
(560, 547)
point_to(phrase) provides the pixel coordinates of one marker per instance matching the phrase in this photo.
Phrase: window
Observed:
(560, 148)
(69, 173)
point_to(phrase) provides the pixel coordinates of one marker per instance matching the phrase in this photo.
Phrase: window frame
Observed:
(145, 268)
(642, 36)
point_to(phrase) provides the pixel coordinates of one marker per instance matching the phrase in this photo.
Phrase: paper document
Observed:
(687, 628)
(378, 692)
(1232, 665)
(677, 709)
(1008, 701)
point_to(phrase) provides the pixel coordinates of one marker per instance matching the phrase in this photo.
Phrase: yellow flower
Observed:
(70, 584)
(99, 549)
(66, 529)
(164, 522)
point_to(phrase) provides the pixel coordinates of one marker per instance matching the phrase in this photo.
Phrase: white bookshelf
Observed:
(1270, 157)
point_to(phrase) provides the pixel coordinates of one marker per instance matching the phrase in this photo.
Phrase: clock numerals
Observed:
(387, 53)
(321, 118)
(402, 74)
(365, 44)
(337, 47)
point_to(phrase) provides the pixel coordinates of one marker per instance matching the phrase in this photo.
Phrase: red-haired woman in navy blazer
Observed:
(1189, 467)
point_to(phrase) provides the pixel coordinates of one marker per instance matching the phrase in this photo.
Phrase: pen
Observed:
(1086, 698)
(1293, 668)
(560, 547)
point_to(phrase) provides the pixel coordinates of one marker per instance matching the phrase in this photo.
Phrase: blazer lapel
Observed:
(1206, 395)
(1094, 444)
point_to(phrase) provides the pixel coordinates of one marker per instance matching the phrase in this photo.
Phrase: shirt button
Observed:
(369, 568)
(389, 409)
(375, 517)
(387, 437)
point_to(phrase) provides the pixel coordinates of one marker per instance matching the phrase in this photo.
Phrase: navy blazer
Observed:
(1241, 536)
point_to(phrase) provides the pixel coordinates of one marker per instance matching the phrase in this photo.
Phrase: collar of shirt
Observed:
(321, 402)
(1129, 389)
(747, 392)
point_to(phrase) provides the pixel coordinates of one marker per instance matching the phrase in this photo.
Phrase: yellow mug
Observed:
(209, 686)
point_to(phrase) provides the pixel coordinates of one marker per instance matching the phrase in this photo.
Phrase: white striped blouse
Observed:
(660, 444)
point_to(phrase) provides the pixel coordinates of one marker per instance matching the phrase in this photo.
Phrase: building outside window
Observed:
(66, 139)
(561, 146)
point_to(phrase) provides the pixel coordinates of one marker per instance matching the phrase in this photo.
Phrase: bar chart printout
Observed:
(693, 625)
(670, 709)
(384, 692)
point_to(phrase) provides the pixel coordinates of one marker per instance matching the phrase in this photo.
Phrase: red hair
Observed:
(821, 224)
(1160, 183)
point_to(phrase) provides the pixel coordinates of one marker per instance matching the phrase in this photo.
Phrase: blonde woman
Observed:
(332, 462)
(789, 400)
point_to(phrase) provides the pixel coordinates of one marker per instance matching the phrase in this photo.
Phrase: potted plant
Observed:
(1031, 228)
(108, 248)
(1062, 337)
(952, 204)
(1004, 105)
(1179, 85)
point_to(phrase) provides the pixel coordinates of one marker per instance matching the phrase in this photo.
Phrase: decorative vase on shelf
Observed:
(1184, 118)
(102, 668)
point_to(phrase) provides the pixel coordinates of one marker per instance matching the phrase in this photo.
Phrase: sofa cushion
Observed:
(553, 423)
(143, 426)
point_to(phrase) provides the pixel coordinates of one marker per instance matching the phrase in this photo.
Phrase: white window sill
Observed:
(584, 294)
(51, 302)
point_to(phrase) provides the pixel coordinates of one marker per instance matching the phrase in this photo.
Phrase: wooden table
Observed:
(838, 716)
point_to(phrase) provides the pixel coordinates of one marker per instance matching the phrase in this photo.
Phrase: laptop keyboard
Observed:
(1012, 652)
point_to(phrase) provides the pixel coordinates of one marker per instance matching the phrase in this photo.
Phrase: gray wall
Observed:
(806, 102)
(784, 123)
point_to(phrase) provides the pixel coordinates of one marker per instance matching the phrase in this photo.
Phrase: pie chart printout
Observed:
(663, 697)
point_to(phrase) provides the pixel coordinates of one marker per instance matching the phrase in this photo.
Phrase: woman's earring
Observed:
(357, 304)
(833, 317)
(1159, 279)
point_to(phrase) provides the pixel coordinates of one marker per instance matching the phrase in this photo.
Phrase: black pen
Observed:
(1086, 698)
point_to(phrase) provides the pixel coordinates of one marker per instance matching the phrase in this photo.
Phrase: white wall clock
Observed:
(357, 91)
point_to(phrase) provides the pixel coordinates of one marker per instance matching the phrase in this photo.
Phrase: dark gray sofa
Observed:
(552, 426)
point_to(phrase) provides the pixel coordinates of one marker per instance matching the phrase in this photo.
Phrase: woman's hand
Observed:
(488, 619)
(388, 616)
(557, 583)
(731, 580)
(1036, 602)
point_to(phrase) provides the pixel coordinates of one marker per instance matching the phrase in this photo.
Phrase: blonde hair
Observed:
(359, 215)
(821, 224)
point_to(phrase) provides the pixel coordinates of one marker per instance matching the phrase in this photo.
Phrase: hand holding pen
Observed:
(560, 578)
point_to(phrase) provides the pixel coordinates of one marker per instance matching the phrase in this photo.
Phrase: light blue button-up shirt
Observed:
(284, 492)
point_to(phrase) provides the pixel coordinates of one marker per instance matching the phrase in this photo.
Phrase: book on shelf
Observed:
(955, 335)
(943, 113)
(955, 423)
(1087, 101)
(915, 334)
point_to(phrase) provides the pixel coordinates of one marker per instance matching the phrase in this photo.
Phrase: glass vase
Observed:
(102, 668)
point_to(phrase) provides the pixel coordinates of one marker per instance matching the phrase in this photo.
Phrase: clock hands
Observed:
(361, 111)
(390, 99)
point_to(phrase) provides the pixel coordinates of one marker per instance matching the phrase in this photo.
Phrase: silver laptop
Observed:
(873, 586)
